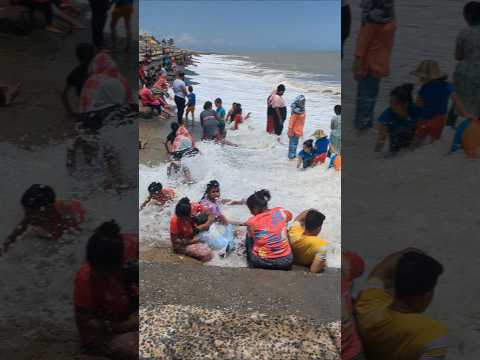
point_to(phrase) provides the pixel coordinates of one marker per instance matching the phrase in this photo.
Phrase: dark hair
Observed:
(259, 200)
(416, 274)
(213, 184)
(183, 208)
(38, 196)
(237, 109)
(337, 109)
(105, 246)
(218, 100)
(308, 143)
(180, 74)
(174, 127)
(155, 187)
(200, 219)
(471, 12)
(190, 88)
(403, 93)
(85, 53)
(207, 105)
(314, 220)
(281, 88)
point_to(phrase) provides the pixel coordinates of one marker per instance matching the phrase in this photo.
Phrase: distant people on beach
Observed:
(295, 125)
(79, 75)
(182, 231)
(122, 9)
(336, 129)
(99, 9)
(154, 102)
(180, 91)
(308, 248)
(158, 195)
(49, 217)
(391, 306)
(221, 115)
(372, 57)
(106, 295)
(192, 99)
(276, 111)
(209, 122)
(267, 239)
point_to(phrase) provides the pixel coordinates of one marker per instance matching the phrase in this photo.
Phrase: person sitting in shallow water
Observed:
(308, 248)
(157, 195)
(49, 216)
(306, 156)
(267, 241)
(106, 294)
(211, 199)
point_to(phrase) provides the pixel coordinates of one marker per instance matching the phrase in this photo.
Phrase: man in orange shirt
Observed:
(372, 56)
(295, 125)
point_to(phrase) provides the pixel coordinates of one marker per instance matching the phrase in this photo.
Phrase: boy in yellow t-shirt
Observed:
(308, 248)
(393, 327)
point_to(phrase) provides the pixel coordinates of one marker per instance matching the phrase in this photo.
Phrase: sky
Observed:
(241, 25)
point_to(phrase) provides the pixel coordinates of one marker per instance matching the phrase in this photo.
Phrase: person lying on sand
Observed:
(50, 217)
(8, 93)
(182, 231)
(391, 306)
(267, 241)
(211, 199)
(157, 195)
(308, 248)
(106, 294)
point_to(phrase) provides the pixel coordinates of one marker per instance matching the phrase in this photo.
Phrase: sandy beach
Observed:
(422, 199)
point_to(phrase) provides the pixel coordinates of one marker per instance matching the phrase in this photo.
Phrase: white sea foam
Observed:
(260, 162)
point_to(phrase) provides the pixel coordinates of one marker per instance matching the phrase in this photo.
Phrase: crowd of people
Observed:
(412, 122)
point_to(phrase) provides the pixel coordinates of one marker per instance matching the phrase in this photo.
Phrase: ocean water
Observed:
(259, 162)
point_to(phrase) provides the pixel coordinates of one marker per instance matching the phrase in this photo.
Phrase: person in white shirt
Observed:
(180, 91)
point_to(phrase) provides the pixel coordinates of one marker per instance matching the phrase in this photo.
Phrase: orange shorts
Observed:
(432, 127)
(190, 109)
(121, 11)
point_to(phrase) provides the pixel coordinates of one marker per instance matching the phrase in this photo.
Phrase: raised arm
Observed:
(19, 230)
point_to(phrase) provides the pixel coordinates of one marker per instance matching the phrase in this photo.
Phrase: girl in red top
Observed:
(50, 216)
(267, 241)
(236, 116)
(106, 294)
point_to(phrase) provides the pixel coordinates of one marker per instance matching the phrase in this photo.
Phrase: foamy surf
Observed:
(259, 161)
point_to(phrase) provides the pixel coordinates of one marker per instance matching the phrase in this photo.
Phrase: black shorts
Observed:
(178, 155)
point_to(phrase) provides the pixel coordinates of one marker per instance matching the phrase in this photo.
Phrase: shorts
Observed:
(178, 155)
(190, 109)
(432, 127)
(320, 158)
(122, 11)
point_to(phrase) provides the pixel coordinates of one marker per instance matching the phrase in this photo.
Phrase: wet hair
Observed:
(190, 88)
(207, 105)
(105, 247)
(259, 200)
(308, 143)
(85, 53)
(218, 101)
(155, 187)
(237, 109)
(337, 109)
(403, 93)
(471, 13)
(213, 184)
(314, 220)
(183, 208)
(38, 196)
(281, 88)
(200, 219)
(173, 133)
(416, 274)
(180, 74)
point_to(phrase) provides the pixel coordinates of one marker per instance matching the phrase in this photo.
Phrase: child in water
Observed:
(190, 107)
(237, 117)
(398, 122)
(322, 147)
(221, 117)
(157, 195)
(306, 156)
(336, 128)
(51, 217)
(211, 200)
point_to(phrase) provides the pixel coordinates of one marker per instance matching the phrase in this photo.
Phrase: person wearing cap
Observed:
(180, 91)
(49, 216)
(432, 101)
(321, 147)
(158, 195)
(372, 57)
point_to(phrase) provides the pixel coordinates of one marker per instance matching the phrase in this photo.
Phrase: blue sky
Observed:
(245, 25)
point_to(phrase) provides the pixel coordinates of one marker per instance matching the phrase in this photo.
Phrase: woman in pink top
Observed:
(295, 125)
(277, 111)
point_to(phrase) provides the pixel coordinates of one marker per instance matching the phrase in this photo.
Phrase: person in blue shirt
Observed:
(221, 117)
(306, 156)
(398, 122)
(322, 147)
(190, 105)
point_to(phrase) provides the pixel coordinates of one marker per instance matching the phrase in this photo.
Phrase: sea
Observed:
(259, 161)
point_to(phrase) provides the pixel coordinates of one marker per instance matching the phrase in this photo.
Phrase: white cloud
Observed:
(185, 39)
